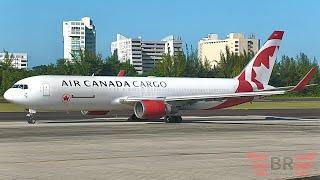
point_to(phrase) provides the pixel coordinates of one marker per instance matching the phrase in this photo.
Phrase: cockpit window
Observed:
(20, 86)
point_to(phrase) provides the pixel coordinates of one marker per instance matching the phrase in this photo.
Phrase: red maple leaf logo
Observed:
(263, 57)
(66, 98)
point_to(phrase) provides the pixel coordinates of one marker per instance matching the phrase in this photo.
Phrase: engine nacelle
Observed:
(150, 109)
(94, 113)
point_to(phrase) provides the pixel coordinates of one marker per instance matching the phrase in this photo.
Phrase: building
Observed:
(77, 36)
(143, 54)
(18, 60)
(211, 47)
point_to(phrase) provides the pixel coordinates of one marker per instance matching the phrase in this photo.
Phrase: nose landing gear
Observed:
(30, 116)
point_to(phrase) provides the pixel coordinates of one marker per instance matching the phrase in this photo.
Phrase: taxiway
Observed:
(203, 147)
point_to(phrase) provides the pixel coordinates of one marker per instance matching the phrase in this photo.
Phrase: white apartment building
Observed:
(18, 60)
(211, 47)
(143, 54)
(77, 36)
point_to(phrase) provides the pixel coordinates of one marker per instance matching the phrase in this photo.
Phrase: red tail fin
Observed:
(258, 71)
(122, 72)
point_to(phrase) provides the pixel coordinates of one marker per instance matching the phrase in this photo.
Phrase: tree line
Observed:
(287, 70)
(87, 65)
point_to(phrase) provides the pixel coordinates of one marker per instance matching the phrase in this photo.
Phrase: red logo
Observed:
(66, 98)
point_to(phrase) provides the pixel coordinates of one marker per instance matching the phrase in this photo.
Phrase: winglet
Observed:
(122, 72)
(305, 80)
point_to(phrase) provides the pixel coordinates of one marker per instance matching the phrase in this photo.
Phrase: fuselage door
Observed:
(46, 89)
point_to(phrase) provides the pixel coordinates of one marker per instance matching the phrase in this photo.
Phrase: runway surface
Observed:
(204, 146)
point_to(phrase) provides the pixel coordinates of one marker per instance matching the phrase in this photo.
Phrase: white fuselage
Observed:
(101, 93)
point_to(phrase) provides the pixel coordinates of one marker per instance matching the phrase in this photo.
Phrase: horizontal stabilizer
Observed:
(305, 80)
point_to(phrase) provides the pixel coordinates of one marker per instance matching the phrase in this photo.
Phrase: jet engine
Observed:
(151, 109)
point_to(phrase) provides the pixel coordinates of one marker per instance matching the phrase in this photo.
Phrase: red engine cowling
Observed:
(150, 109)
(94, 113)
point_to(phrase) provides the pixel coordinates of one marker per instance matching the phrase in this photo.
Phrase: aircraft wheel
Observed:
(178, 119)
(172, 119)
(133, 118)
(31, 120)
(167, 119)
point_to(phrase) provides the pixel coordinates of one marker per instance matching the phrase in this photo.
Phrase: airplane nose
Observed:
(8, 95)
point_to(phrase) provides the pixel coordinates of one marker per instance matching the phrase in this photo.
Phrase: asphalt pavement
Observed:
(228, 144)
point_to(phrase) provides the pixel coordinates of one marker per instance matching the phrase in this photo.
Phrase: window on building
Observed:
(236, 42)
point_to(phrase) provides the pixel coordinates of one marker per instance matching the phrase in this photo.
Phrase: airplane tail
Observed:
(256, 75)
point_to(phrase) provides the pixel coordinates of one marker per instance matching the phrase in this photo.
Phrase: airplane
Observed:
(122, 72)
(152, 97)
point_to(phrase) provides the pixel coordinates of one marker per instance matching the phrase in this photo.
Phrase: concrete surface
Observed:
(200, 148)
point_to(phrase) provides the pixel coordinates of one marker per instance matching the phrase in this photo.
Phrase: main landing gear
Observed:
(167, 119)
(133, 118)
(30, 116)
(173, 119)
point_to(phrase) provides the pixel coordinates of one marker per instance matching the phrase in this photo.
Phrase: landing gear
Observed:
(173, 119)
(30, 116)
(133, 118)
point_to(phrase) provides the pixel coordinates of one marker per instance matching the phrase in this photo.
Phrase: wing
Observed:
(217, 97)
(220, 97)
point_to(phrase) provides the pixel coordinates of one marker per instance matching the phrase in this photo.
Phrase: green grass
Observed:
(9, 107)
(292, 97)
(280, 105)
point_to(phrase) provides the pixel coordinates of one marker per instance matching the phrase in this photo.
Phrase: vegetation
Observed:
(87, 65)
(287, 70)
(279, 105)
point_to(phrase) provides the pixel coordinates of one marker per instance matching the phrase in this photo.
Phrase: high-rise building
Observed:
(18, 60)
(78, 36)
(211, 47)
(143, 54)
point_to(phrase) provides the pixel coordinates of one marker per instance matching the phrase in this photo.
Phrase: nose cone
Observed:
(14, 96)
(8, 95)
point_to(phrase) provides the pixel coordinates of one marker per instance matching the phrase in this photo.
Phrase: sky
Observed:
(35, 26)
